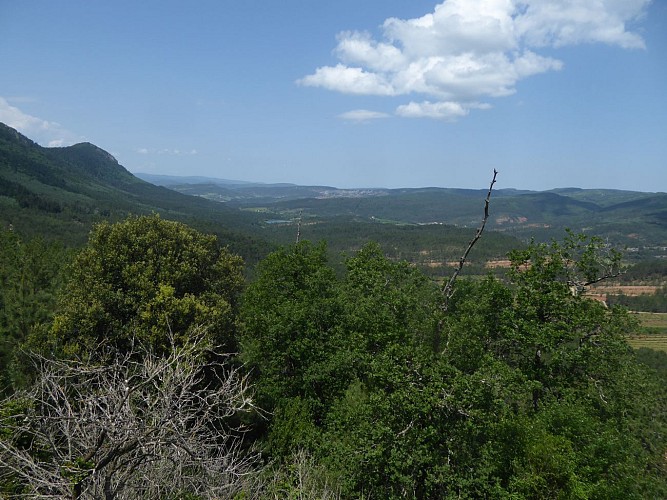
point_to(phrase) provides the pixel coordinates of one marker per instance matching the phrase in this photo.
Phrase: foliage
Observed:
(519, 388)
(30, 274)
(657, 360)
(522, 389)
(308, 335)
(300, 477)
(577, 262)
(144, 277)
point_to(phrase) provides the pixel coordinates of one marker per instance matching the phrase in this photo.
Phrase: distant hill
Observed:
(61, 192)
(636, 220)
(174, 180)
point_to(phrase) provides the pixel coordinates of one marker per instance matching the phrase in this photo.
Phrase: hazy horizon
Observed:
(379, 187)
(383, 94)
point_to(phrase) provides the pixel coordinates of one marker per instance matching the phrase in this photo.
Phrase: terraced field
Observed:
(655, 332)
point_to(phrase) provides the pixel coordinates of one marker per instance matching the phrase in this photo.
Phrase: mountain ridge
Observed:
(60, 192)
(63, 191)
(632, 219)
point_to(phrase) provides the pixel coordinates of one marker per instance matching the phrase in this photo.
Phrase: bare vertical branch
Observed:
(298, 227)
(448, 290)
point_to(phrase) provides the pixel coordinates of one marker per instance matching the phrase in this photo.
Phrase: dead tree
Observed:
(448, 290)
(140, 426)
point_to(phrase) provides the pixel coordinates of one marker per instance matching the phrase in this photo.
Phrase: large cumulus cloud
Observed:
(469, 50)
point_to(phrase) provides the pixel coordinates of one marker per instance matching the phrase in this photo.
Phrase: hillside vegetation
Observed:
(147, 369)
(58, 193)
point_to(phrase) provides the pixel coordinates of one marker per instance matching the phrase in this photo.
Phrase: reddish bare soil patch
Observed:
(438, 263)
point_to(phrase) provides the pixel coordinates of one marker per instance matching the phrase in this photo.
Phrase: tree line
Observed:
(149, 367)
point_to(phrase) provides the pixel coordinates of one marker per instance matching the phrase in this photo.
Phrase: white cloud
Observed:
(362, 115)
(467, 50)
(41, 131)
(359, 48)
(444, 110)
(348, 80)
(167, 151)
(177, 152)
(569, 22)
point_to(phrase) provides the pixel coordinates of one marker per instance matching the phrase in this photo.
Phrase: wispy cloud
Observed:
(468, 50)
(362, 115)
(443, 110)
(167, 151)
(43, 132)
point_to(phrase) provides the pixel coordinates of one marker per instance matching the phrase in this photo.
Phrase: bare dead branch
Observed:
(448, 290)
(298, 227)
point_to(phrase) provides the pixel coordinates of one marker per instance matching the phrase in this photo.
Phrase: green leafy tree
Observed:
(532, 392)
(30, 277)
(308, 335)
(387, 304)
(520, 388)
(291, 341)
(140, 278)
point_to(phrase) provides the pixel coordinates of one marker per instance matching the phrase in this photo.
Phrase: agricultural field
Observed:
(653, 334)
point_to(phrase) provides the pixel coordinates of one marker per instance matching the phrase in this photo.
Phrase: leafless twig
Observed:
(448, 290)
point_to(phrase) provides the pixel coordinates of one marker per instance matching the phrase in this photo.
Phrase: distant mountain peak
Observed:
(13, 135)
(92, 149)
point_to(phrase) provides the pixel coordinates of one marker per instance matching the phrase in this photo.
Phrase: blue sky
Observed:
(409, 93)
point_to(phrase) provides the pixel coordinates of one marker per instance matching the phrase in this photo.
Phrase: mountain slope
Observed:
(60, 192)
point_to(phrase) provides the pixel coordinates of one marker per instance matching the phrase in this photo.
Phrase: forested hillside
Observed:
(630, 219)
(147, 369)
(58, 193)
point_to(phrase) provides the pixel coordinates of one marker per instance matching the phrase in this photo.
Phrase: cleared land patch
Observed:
(656, 342)
(629, 290)
(655, 325)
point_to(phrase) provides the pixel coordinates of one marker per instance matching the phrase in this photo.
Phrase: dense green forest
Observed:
(148, 367)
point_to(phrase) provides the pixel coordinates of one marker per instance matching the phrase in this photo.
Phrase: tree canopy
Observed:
(370, 381)
(31, 275)
(521, 389)
(143, 277)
